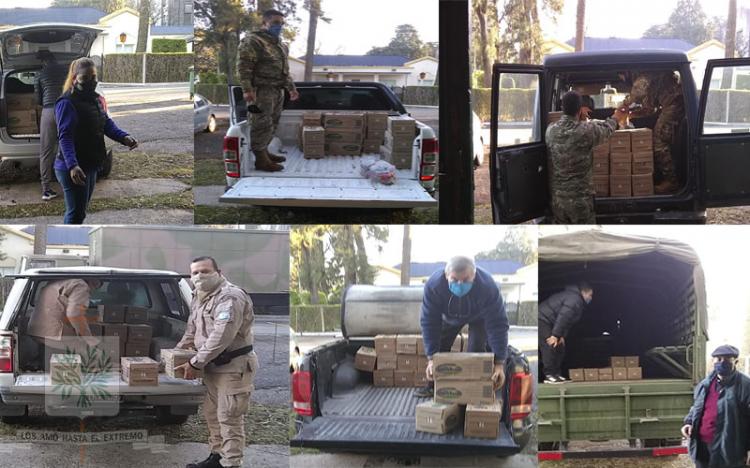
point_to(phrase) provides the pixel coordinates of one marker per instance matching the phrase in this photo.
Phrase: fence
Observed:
(315, 318)
(159, 68)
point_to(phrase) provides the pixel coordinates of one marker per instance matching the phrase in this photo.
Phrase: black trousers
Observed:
(552, 358)
(477, 339)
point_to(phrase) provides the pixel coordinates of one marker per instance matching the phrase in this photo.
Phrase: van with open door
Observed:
(710, 147)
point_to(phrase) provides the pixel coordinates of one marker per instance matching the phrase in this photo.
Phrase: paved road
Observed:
(271, 332)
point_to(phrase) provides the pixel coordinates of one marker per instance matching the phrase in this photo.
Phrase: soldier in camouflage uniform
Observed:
(570, 143)
(656, 90)
(263, 68)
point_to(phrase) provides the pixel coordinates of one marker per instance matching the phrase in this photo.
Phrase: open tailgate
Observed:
(328, 193)
(382, 419)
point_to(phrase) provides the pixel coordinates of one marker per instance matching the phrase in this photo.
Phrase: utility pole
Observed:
(406, 257)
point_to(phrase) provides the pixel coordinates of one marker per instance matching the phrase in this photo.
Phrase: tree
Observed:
(580, 24)
(729, 43)
(308, 270)
(107, 6)
(687, 22)
(718, 28)
(40, 239)
(406, 43)
(144, 21)
(516, 245)
(406, 257)
(481, 8)
(521, 38)
(316, 13)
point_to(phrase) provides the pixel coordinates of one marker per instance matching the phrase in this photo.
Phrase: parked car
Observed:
(19, 66)
(331, 181)
(709, 150)
(165, 295)
(204, 119)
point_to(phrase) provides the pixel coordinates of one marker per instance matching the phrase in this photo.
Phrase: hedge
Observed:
(216, 93)
(421, 96)
(160, 68)
(739, 105)
(162, 46)
(743, 82)
(307, 318)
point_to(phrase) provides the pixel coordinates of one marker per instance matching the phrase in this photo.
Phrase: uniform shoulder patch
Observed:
(224, 311)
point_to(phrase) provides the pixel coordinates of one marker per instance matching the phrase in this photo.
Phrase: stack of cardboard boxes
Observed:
(128, 325)
(344, 133)
(312, 135)
(624, 166)
(621, 368)
(462, 379)
(23, 113)
(376, 123)
(399, 141)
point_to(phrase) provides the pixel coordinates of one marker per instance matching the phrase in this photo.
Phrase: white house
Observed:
(699, 57)
(120, 34)
(297, 68)
(391, 70)
(15, 245)
(424, 71)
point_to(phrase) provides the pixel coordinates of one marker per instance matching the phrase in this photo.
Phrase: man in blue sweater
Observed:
(462, 295)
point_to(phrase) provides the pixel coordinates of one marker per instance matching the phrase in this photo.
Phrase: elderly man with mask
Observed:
(463, 294)
(220, 330)
(718, 424)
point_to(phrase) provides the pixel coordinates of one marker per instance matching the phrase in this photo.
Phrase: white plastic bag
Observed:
(378, 171)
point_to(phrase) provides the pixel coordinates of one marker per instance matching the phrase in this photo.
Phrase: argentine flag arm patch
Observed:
(224, 312)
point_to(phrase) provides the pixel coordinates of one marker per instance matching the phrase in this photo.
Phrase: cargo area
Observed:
(22, 112)
(357, 416)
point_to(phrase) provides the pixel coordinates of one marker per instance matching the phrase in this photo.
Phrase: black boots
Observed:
(211, 462)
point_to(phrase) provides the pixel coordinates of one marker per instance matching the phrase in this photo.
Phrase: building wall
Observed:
(698, 65)
(14, 247)
(108, 42)
(297, 70)
(427, 66)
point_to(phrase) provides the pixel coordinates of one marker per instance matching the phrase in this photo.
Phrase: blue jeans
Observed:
(76, 196)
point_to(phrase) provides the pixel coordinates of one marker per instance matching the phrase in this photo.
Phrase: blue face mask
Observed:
(460, 289)
(275, 29)
(588, 300)
(723, 368)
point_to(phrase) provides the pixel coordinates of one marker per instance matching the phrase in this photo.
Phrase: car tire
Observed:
(106, 166)
(164, 416)
(211, 127)
(14, 420)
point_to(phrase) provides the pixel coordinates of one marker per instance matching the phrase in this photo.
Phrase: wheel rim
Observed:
(211, 124)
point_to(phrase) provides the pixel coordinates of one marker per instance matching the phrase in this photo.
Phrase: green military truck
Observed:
(649, 301)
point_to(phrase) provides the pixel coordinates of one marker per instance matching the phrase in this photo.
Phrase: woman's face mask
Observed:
(86, 82)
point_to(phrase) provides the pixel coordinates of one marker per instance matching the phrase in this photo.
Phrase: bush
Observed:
(743, 82)
(216, 93)
(421, 96)
(163, 46)
(160, 68)
(516, 104)
(315, 318)
(209, 77)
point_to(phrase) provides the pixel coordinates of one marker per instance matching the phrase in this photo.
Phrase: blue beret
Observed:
(726, 350)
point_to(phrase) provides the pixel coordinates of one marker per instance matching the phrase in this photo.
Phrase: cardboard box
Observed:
(139, 333)
(406, 362)
(420, 345)
(176, 357)
(634, 373)
(312, 119)
(643, 185)
(437, 418)
(314, 151)
(376, 119)
(313, 136)
(344, 135)
(343, 120)
(606, 373)
(591, 375)
(136, 314)
(620, 163)
(619, 373)
(421, 362)
(457, 344)
(483, 421)
(601, 167)
(137, 349)
(619, 142)
(632, 361)
(97, 328)
(343, 149)
(401, 160)
(403, 378)
(112, 313)
(553, 117)
(601, 185)
(365, 359)
(119, 330)
(620, 186)
(643, 162)
(22, 118)
(601, 151)
(641, 139)
(387, 361)
(402, 124)
(20, 101)
(382, 377)
(463, 366)
(464, 392)
(406, 344)
(65, 369)
(371, 146)
(139, 371)
(617, 361)
(420, 378)
(399, 143)
(576, 375)
(385, 344)
(23, 130)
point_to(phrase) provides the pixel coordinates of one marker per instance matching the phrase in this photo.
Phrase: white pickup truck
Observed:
(334, 181)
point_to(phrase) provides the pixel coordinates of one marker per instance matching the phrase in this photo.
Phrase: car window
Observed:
(518, 109)
(177, 307)
(340, 99)
(199, 103)
(728, 101)
(114, 292)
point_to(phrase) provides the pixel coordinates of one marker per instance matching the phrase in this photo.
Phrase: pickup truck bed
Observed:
(374, 418)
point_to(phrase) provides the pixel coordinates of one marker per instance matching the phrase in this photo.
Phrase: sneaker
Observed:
(561, 378)
(424, 392)
(49, 195)
(551, 379)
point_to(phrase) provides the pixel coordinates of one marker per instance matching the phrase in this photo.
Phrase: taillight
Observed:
(520, 395)
(231, 154)
(550, 456)
(669, 451)
(6, 354)
(302, 393)
(430, 150)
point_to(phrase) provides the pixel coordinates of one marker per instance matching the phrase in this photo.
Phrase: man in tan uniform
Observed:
(61, 311)
(220, 329)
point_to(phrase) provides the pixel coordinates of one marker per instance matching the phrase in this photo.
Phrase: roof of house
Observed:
(16, 232)
(77, 15)
(358, 60)
(62, 235)
(618, 43)
(171, 30)
(494, 267)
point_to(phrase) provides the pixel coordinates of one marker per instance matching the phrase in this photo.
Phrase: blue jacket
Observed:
(732, 439)
(483, 302)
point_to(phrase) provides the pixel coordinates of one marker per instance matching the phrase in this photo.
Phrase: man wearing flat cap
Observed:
(718, 424)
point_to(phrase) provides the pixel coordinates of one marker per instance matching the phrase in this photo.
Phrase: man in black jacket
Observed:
(557, 315)
(718, 424)
(48, 87)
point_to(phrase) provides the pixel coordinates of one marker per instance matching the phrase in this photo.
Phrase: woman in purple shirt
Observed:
(82, 123)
